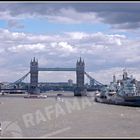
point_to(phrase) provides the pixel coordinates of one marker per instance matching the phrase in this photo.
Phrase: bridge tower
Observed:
(80, 70)
(34, 76)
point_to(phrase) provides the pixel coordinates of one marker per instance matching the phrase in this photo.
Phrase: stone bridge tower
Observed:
(80, 71)
(33, 76)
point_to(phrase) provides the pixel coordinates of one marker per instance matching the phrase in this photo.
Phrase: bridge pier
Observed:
(80, 70)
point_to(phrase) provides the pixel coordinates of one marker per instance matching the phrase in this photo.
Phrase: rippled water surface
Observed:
(66, 116)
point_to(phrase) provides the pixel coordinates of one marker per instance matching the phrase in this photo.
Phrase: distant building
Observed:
(70, 82)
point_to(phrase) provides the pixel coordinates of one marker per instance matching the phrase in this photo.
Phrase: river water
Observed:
(67, 116)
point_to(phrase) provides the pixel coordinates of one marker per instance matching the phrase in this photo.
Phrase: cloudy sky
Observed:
(105, 35)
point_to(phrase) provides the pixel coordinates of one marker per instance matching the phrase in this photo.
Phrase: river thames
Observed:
(67, 116)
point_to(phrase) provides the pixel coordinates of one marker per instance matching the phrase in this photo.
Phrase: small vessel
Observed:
(59, 97)
(36, 96)
(1, 93)
(121, 92)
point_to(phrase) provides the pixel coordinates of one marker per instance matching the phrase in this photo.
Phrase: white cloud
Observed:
(6, 15)
(102, 52)
(69, 15)
(119, 17)
(76, 35)
(133, 59)
(66, 47)
(28, 47)
(63, 15)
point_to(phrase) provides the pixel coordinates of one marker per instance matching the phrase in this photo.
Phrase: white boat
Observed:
(36, 96)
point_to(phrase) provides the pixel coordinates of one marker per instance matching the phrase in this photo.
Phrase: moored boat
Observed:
(36, 96)
(122, 92)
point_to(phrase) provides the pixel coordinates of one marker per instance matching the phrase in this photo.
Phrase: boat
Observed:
(59, 97)
(121, 92)
(38, 96)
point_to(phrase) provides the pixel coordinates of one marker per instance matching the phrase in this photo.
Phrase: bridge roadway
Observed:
(56, 69)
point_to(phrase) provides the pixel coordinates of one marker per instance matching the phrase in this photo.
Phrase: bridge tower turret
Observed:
(33, 76)
(80, 71)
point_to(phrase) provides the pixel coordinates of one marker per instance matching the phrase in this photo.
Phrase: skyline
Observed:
(105, 35)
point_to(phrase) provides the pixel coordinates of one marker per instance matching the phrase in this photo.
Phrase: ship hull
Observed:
(134, 102)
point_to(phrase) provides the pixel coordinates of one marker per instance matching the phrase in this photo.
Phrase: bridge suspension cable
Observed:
(93, 82)
(21, 79)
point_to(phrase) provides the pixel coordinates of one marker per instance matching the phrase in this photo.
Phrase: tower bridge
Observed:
(79, 69)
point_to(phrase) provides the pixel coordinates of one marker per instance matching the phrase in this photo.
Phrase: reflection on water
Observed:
(66, 116)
